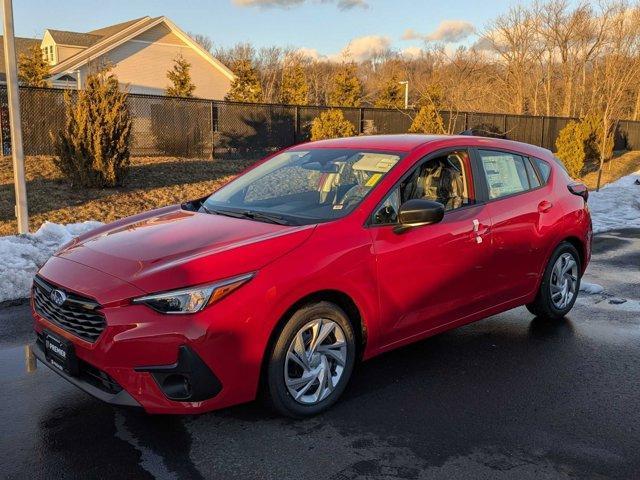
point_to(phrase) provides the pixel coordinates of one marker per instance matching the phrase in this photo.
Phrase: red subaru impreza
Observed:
(322, 255)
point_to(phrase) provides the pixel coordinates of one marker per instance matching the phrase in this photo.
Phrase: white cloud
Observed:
(341, 4)
(484, 44)
(310, 53)
(363, 48)
(349, 4)
(412, 52)
(449, 31)
(411, 34)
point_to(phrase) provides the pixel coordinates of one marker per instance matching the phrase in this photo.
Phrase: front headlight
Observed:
(193, 299)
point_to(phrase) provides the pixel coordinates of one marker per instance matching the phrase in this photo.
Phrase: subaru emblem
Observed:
(58, 297)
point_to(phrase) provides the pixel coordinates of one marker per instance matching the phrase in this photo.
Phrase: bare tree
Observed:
(616, 72)
(513, 37)
(203, 40)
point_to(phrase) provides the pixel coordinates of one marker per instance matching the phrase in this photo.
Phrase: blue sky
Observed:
(325, 26)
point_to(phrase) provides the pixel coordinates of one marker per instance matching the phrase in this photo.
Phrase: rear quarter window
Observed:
(545, 169)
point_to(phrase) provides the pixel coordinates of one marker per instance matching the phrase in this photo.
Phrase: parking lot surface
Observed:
(512, 396)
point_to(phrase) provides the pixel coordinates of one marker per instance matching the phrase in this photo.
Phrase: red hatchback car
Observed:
(324, 254)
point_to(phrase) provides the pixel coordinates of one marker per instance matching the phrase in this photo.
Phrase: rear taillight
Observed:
(579, 189)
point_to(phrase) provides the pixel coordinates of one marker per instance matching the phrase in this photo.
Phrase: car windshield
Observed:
(303, 187)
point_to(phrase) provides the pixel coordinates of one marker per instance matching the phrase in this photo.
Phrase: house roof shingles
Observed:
(113, 29)
(79, 39)
(105, 37)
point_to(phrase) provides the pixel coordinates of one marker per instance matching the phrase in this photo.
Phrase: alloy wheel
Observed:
(315, 361)
(564, 281)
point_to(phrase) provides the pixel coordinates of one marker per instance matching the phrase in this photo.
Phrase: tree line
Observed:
(553, 58)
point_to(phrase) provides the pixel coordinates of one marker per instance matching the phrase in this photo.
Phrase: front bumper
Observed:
(176, 364)
(120, 398)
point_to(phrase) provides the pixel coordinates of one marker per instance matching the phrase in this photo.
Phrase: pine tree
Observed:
(331, 124)
(246, 86)
(180, 77)
(93, 148)
(391, 94)
(33, 69)
(347, 88)
(428, 120)
(294, 88)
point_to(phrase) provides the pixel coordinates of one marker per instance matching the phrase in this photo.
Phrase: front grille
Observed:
(77, 315)
(89, 373)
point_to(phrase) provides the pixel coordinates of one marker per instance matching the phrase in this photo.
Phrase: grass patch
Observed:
(619, 166)
(153, 182)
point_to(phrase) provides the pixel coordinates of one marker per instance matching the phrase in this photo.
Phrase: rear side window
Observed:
(544, 168)
(506, 173)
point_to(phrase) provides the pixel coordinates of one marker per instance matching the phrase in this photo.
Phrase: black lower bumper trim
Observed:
(121, 398)
(187, 380)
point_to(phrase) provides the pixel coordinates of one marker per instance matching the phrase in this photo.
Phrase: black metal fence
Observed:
(198, 128)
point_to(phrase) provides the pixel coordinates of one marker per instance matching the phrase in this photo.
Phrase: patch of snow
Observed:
(22, 255)
(591, 288)
(616, 205)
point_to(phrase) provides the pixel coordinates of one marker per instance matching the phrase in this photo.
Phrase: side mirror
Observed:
(418, 212)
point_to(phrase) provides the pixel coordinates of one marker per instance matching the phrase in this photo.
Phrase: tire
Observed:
(550, 302)
(289, 371)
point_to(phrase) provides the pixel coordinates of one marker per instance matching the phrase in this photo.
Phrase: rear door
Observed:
(522, 212)
(436, 274)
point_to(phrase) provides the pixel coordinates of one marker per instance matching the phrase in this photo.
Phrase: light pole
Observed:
(14, 119)
(406, 93)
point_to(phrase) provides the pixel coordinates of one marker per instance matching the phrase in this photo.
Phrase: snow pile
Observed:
(591, 288)
(616, 205)
(22, 255)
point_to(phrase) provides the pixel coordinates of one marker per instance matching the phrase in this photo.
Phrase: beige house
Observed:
(140, 51)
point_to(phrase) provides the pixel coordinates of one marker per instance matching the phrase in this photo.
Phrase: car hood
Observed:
(173, 248)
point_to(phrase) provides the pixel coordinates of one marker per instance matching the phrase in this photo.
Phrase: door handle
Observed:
(478, 231)
(544, 206)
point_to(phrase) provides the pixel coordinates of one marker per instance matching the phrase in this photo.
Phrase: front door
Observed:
(436, 274)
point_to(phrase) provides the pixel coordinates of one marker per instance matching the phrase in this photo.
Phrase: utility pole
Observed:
(14, 119)
(406, 93)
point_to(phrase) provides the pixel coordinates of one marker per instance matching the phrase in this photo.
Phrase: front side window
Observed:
(302, 187)
(441, 179)
(506, 173)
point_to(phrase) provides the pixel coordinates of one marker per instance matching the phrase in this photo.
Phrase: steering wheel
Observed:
(354, 195)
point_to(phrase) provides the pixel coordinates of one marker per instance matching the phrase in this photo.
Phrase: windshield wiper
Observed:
(210, 212)
(250, 214)
(264, 217)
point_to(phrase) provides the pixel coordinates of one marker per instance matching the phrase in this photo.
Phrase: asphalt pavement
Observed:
(512, 396)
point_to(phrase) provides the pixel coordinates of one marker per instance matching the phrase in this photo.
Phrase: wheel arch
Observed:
(580, 247)
(339, 298)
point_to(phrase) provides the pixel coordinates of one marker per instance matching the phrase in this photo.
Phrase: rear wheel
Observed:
(311, 361)
(560, 284)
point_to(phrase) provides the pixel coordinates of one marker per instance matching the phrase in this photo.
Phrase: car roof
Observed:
(407, 142)
(402, 142)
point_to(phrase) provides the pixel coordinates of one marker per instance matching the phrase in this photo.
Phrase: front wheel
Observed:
(560, 284)
(311, 361)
